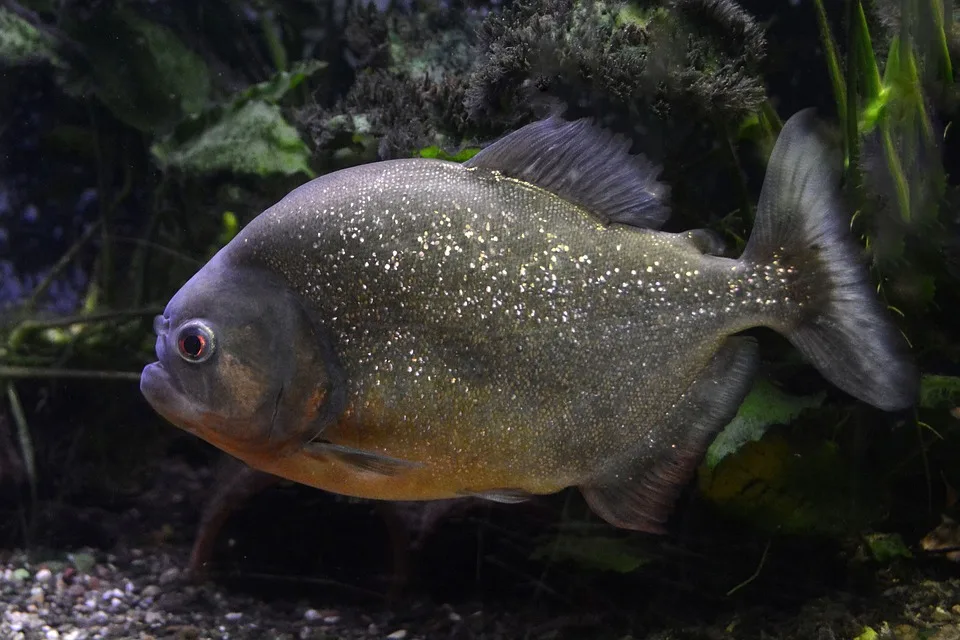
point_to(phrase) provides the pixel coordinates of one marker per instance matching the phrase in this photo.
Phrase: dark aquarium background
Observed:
(137, 137)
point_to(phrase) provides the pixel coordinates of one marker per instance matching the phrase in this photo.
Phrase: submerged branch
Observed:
(78, 374)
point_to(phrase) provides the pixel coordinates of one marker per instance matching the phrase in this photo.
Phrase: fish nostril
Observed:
(160, 325)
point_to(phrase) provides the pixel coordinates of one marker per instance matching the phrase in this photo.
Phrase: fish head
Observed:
(241, 363)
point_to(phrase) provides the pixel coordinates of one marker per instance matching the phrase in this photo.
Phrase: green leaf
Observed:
(885, 547)
(22, 43)
(274, 89)
(247, 135)
(939, 392)
(867, 634)
(143, 72)
(436, 152)
(594, 552)
(254, 139)
(763, 407)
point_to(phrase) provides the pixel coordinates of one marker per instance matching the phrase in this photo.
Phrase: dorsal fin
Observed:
(584, 164)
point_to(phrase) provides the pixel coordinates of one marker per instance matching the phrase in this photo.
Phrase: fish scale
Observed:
(570, 294)
(419, 329)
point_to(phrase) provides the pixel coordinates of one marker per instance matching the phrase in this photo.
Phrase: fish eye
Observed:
(195, 341)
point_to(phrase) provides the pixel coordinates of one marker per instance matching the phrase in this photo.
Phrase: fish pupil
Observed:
(192, 345)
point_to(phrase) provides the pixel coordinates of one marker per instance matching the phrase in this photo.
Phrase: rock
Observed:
(169, 576)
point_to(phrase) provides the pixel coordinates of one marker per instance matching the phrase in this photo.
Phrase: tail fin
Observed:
(846, 333)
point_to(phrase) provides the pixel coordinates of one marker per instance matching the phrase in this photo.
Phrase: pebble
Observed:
(399, 634)
(43, 575)
(170, 575)
(150, 591)
(234, 616)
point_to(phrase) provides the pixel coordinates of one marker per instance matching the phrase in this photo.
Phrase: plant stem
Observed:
(77, 374)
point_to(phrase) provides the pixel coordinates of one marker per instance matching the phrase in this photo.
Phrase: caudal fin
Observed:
(843, 329)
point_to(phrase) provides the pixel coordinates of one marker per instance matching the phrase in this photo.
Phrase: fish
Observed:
(418, 329)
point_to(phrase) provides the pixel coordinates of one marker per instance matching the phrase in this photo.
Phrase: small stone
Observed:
(43, 575)
(153, 617)
(37, 596)
(150, 591)
(947, 632)
(76, 590)
(21, 574)
(941, 615)
(52, 634)
(170, 575)
(399, 634)
(233, 616)
(311, 615)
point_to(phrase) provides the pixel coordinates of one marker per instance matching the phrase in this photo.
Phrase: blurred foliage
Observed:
(599, 553)
(185, 120)
(21, 42)
(763, 407)
(247, 134)
(885, 548)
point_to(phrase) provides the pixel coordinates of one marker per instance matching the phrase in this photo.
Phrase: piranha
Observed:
(418, 329)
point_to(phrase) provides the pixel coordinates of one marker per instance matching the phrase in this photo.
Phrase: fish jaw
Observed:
(163, 393)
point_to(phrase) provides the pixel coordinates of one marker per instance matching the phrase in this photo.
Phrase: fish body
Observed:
(419, 329)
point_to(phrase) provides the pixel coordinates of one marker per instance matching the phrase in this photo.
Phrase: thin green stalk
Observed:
(869, 69)
(26, 443)
(735, 160)
(18, 334)
(896, 170)
(833, 59)
(277, 52)
(943, 48)
(769, 114)
(76, 374)
(61, 264)
(851, 134)
(103, 316)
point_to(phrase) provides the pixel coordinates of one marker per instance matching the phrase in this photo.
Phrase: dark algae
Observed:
(588, 319)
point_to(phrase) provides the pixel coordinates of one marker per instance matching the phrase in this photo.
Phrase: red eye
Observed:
(195, 342)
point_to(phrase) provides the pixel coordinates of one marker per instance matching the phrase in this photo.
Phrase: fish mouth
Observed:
(163, 394)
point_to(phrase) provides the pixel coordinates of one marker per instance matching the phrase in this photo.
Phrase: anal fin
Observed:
(637, 490)
(360, 459)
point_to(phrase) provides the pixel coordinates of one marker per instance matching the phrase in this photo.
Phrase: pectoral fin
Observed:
(360, 459)
(637, 490)
(506, 496)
